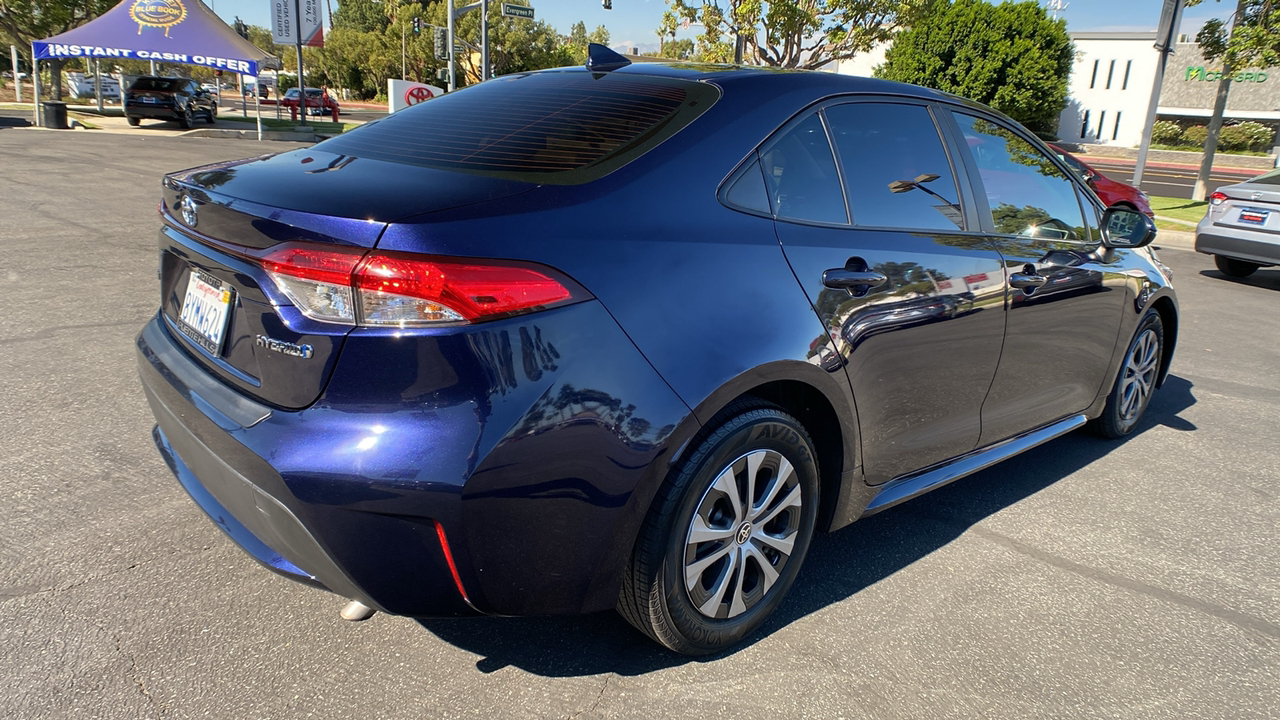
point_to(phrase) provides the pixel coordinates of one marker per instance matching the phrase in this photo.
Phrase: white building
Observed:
(1110, 88)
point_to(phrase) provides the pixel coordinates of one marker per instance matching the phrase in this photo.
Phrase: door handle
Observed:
(842, 279)
(1027, 280)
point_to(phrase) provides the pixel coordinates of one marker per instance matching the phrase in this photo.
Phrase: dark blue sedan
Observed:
(628, 335)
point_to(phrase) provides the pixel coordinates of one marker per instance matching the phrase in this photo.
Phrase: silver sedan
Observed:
(1242, 227)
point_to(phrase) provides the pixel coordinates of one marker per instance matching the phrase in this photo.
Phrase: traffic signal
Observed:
(442, 43)
(417, 25)
(608, 4)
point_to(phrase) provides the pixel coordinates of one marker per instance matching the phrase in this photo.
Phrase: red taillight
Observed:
(1217, 198)
(402, 289)
(471, 290)
(309, 263)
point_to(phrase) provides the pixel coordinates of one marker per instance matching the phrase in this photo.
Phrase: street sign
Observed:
(283, 29)
(1167, 31)
(517, 11)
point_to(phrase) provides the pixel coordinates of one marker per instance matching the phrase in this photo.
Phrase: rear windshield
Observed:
(1271, 178)
(557, 127)
(151, 84)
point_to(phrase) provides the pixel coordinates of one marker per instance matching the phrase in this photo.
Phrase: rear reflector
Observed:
(407, 290)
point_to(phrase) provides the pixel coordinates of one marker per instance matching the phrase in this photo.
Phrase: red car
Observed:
(318, 101)
(1109, 191)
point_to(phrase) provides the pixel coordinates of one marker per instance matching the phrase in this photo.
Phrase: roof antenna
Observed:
(602, 59)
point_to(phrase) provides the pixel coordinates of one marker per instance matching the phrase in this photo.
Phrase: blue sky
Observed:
(632, 22)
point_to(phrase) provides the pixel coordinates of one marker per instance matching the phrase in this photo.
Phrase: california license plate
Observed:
(205, 311)
(148, 99)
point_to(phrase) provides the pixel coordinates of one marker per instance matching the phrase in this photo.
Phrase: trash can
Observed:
(55, 114)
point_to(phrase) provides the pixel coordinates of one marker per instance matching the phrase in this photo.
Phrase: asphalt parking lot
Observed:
(1083, 579)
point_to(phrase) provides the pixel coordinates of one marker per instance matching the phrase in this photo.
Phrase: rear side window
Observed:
(800, 174)
(558, 127)
(896, 172)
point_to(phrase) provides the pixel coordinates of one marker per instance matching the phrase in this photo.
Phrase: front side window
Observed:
(896, 172)
(1027, 194)
(800, 174)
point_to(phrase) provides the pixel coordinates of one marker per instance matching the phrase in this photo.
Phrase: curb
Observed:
(282, 135)
(1174, 239)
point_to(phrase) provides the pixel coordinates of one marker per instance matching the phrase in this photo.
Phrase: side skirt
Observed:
(908, 486)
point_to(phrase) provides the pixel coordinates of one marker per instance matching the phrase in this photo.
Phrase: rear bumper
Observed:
(1257, 247)
(202, 428)
(155, 112)
(501, 469)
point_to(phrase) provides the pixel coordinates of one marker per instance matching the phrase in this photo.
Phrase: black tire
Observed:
(657, 595)
(1138, 373)
(1233, 267)
(185, 119)
(134, 121)
(213, 114)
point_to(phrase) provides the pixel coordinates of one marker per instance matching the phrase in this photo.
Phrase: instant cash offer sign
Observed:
(283, 29)
(171, 31)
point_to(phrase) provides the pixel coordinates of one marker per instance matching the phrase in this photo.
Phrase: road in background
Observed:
(1167, 181)
(1085, 578)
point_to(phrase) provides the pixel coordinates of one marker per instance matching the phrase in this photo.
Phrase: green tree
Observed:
(24, 21)
(1249, 37)
(1011, 56)
(807, 34)
(578, 39)
(515, 44)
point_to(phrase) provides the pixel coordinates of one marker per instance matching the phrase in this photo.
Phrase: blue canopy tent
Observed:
(171, 31)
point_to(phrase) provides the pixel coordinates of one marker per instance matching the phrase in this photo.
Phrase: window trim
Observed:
(974, 177)
(941, 122)
(744, 167)
(965, 211)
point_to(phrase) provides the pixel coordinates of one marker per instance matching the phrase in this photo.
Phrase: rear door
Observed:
(878, 235)
(1064, 295)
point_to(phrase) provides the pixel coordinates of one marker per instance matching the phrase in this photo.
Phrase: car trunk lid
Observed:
(217, 297)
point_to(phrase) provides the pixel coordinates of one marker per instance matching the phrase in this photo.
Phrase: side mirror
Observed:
(1125, 228)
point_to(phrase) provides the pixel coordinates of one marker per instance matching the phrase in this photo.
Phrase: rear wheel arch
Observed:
(810, 395)
(1169, 319)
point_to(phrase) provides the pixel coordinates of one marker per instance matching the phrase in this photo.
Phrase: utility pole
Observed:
(484, 40)
(17, 79)
(302, 84)
(453, 81)
(1169, 19)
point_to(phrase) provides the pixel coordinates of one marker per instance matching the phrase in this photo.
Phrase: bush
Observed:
(1245, 136)
(1195, 135)
(1166, 132)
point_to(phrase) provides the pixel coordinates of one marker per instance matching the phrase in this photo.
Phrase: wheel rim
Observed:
(1139, 376)
(742, 534)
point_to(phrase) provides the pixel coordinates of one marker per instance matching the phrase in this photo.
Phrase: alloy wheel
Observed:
(742, 534)
(1139, 376)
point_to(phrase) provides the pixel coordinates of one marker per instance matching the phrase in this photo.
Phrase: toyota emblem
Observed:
(1257, 196)
(188, 207)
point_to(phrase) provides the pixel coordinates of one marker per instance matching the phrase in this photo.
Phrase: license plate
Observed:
(1254, 217)
(205, 311)
(148, 100)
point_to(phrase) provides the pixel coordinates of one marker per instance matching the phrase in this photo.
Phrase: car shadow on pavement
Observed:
(8, 121)
(1268, 278)
(839, 564)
